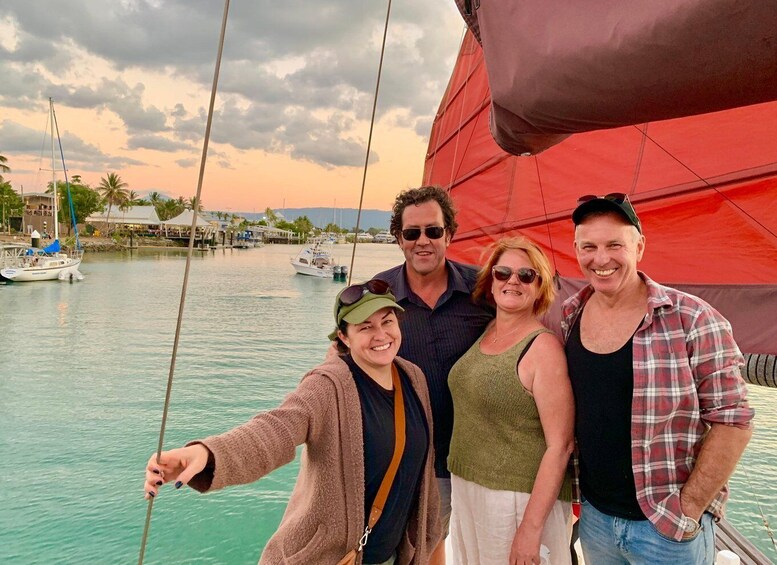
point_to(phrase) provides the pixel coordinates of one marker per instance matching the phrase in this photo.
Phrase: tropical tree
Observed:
(333, 228)
(11, 202)
(133, 198)
(155, 198)
(3, 167)
(169, 209)
(284, 225)
(303, 225)
(194, 204)
(114, 193)
(85, 199)
(270, 216)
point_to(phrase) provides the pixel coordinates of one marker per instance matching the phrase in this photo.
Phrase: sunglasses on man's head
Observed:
(354, 293)
(503, 273)
(617, 197)
(432, 232)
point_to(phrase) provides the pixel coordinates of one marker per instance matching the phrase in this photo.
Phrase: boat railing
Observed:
(728, 538)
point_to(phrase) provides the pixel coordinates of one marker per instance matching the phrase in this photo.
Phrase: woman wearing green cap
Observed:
(365, 491)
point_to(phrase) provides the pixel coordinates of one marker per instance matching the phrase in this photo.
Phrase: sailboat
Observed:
(49, 263)
(704, 186)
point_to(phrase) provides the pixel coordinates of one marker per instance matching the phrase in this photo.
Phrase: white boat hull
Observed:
(322, 272)
(49, 270)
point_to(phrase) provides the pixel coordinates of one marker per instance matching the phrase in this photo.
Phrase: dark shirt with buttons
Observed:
(435, 338)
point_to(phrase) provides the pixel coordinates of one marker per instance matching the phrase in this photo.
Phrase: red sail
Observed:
(705, 188)
(558, 67)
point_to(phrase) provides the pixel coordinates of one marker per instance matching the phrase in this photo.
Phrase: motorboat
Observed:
(316, 260)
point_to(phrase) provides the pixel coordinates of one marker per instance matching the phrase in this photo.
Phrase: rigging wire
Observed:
(707, 183)
(640, 155)
(369, 143)
(547, 223)
(179, 323)
(67, 181)
(465, 90)
(764, 519)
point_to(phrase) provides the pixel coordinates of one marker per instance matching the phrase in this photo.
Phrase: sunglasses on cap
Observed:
(617, 197)
(432, 232)
(503, 273)
(354, 293)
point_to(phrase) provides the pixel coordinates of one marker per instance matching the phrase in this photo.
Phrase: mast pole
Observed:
(53, 172)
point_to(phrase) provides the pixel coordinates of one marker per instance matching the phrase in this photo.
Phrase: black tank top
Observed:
(603, 384)
(378, 432)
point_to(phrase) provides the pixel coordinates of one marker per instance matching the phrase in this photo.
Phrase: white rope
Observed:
(186, 271)
(369, 142)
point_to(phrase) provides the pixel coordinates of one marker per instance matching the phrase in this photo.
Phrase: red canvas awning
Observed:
(705, 188)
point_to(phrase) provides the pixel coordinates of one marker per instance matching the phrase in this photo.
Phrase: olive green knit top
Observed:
(497, 440)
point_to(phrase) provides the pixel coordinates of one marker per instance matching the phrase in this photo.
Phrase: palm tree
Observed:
(114, 192)
(3, 167)
(194, 204)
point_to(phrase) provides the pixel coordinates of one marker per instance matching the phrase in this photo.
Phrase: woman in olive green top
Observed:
(513, 425)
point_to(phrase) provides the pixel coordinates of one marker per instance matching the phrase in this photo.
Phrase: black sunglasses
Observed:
(354, 293)
(617, 197)
(432, 232)
(503, 273)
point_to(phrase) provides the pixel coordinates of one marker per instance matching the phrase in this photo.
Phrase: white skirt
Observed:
(484, 522)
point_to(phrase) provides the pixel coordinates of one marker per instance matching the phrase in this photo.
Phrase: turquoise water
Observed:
(83, 369)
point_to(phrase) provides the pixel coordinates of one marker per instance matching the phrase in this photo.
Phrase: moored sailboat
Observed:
(50, 262)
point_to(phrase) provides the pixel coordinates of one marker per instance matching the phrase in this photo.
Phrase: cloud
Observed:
(18, 140)
(295, 78)
(186, 163)
(157, 143)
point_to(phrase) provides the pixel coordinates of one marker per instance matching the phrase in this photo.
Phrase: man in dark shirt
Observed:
(440, 322)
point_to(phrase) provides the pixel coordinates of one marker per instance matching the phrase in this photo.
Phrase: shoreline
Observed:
(103, 244)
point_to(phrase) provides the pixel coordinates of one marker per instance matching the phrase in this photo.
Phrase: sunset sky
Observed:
(131, 83)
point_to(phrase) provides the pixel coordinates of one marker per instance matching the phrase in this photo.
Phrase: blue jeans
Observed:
(607, 540)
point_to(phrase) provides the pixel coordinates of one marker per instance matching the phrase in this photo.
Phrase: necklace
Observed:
(496, 337)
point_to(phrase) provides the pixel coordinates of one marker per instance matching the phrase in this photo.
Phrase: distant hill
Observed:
(345, 217)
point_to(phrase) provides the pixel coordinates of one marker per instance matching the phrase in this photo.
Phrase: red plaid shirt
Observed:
(686, 377)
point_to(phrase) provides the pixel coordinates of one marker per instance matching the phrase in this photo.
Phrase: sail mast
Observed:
(53, 172)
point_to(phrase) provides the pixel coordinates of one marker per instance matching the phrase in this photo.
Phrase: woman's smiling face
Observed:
(513, 295)
(375, 342)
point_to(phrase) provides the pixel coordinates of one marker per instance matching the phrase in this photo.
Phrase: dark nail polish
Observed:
(178, 484)
(155, 471)
(151, 494)
(159, 483)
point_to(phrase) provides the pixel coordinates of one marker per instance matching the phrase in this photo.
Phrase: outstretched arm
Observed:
(249, 451)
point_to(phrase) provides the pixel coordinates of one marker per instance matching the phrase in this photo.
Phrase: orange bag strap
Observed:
(399, 448)
(391, 472)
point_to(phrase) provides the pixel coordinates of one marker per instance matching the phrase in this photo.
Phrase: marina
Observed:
(84, 366)
(78, 423)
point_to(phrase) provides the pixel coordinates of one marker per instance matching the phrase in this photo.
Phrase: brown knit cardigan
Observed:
(325, 515)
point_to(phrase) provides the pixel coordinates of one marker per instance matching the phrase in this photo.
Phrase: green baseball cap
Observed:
(357, 312)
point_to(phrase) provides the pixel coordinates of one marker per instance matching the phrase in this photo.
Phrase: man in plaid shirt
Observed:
(661, 409)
